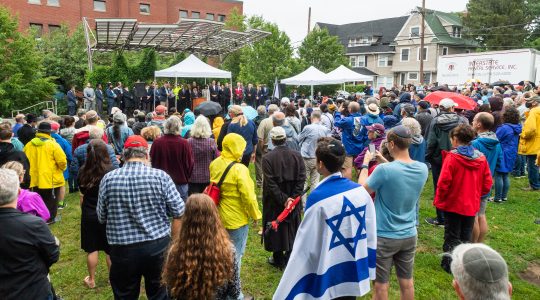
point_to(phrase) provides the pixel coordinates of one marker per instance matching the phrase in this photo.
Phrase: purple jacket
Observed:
(360, 158)
(31, 203)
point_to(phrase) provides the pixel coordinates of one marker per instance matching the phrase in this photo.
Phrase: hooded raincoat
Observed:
(489, 145)
(189, 119)
(529, 144)
(47, 162)
(463, 181)
(508, 135)
(438, 135)
(238, 200)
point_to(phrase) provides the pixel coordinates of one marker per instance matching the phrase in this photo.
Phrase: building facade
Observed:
(48, 15)
(389, 49)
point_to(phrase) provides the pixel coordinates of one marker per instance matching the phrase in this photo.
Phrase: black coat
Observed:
(26, 133)
(284, 176)
(8, 153)
(27, 249)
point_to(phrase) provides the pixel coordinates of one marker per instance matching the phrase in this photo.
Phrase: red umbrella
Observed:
(284, 214)
(463, 102)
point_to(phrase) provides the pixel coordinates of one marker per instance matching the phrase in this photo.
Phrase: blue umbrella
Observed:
(249, 112)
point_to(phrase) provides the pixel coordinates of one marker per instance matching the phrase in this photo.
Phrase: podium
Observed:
(197, 101)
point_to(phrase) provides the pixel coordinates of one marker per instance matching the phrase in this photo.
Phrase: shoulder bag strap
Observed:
(225, 174)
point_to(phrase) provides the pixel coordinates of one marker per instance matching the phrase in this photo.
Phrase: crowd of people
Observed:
(142, 173)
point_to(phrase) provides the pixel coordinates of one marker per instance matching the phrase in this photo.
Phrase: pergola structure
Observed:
(201, 37)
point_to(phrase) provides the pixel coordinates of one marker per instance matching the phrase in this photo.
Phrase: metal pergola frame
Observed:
(202, 37)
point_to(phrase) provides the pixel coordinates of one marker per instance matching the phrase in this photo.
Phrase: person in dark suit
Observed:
(226, 95)
(111, 97)
(265, 93)
(72, 101)
(294, 95)
(99, 99)
(251, 93)
(259, 96)
(129, 101)
(185, 98)
(214, 92)
(119, 101)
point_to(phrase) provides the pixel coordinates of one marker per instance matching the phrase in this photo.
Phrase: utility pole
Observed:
(422, 30)
(309, 21)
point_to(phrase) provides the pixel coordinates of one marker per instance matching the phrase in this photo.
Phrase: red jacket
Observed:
(462, 183)
(80, 138)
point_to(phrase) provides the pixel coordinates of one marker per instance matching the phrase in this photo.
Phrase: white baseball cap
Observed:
(447, 103)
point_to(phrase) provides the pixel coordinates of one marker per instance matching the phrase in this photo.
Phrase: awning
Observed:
(192, 67)
(311, 76)
(347, 75)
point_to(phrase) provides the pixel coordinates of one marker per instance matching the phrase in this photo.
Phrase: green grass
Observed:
(512, 233)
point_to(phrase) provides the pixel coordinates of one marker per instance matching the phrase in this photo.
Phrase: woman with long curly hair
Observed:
(200, 263)
(93, 236)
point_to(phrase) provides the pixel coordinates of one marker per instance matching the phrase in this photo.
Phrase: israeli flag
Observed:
(335, 247)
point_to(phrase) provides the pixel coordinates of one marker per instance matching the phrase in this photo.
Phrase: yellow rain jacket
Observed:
(216, 127)
(47, 162)
(238, 200)
(529, 143)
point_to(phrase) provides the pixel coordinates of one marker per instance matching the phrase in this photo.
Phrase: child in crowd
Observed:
(487, 143)
(28, 202)
(464, 178)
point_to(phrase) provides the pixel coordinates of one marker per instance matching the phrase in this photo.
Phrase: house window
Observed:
(445, 51)
(53, 28)
(34, 1)
(99, 5)
(415, 31)
(144, 8)
(210, 17)
(53, 2)
(427, 78)
(412, 75)
(37, 29)
(384, 61)
(456, 31)
(195, 15)
(405, 54)
(358, 61)
(352, 61)
(183, 14)
(361, 41)
(221, 18)
(424, 54)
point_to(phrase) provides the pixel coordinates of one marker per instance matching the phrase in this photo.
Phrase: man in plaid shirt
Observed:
(136, 203)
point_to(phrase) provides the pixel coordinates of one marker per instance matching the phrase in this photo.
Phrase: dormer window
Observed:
(415, 31)
(456, 31)
(361, 41)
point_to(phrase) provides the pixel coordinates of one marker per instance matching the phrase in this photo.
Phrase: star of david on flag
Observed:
(338, 239)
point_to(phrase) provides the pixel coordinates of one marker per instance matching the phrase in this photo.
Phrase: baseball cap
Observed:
(55, 126)
(402, 132)
(484, 264)
(44, 127)
(160, 109)
(423, 104)
(278, 133)
(379, 128)
(119, 117)
(135, 141)
(447, 103)
(408, 108)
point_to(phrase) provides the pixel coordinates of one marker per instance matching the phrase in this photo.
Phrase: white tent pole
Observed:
(312, 96)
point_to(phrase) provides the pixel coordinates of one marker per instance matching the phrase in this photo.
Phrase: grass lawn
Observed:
(512, 233)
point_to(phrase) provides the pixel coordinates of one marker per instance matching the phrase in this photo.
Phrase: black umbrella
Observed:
(439, 88)
(501, 83)
(209, 108)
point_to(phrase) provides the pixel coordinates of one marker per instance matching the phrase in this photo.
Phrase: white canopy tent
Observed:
(345, 74)
(193, 67)
(312, 76)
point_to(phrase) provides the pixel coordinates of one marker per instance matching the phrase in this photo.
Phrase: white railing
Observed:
(50, 105)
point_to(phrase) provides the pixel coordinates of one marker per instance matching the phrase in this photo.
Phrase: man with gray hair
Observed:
(278, 119)
(27, 247)
(172, 154)
(308, 144)
(480, 273)
(136, 202)
(79, 155)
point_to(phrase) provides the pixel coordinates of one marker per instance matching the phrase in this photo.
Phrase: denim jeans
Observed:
(502, 184)
(239, 239)
(532, 169)
(436, 171)
(183, 190)
(519, 166)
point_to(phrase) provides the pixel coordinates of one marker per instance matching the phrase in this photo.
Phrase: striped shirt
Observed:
(136, 202)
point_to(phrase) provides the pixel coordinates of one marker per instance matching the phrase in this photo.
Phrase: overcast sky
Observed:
(292, 15)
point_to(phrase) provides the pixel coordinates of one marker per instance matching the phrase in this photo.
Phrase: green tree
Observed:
(64, 56)
(497, 24)
(235, 21)
(322, 50)
(120, 69)
(268, 58)
(146, 67)
(22, 80)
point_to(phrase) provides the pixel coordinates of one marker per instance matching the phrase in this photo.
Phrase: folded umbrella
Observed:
(284, 214)
(463, 102)
(209, 108)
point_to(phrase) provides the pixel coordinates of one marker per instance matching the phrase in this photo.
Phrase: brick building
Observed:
(47, 15)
